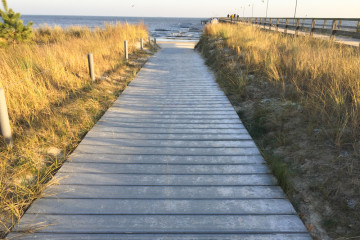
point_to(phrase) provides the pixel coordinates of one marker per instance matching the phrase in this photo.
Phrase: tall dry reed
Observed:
(326, 75)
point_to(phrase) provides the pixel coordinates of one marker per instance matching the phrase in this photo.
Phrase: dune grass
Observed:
(52, 102)
(324, 76)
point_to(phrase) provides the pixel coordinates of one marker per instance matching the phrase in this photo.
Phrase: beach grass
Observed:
(52, 102)
(324, 76)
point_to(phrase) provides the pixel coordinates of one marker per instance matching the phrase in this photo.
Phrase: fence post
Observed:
(325, 24)
(4, 120)
(155, 41)
(265, 21)
(149, 41)
(332, 36)
(142, 44)
(270, 23)
(277, 24)
(297, 27)
(91, 67)
(358, 27)
(126, 50)
(286, 26)
(313, 24)
(339, 25)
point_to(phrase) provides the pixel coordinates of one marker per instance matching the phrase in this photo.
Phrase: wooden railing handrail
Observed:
(327, 26)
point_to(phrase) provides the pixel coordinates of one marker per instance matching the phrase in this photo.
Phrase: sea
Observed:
(159, 27)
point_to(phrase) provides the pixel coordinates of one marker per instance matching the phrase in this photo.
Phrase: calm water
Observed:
(171, 28)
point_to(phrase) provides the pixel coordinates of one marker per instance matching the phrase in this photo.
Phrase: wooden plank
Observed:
(46, 236)
(165, 136)
(162, 224)
(163, 168)
(103, 158)
(167, 143)
(182, 151)
(164, 180)
(169, 207)
(163, 192)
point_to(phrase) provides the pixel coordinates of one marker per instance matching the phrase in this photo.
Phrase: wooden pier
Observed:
(169, 160)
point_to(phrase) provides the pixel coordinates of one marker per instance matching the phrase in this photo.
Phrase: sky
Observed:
(189, 8)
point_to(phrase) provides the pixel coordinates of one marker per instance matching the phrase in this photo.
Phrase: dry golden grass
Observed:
(325, 75)
(52, 102)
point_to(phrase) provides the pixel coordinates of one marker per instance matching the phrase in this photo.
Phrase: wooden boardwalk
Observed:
(170, 160)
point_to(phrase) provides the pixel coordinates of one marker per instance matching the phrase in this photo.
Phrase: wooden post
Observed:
(303, 24)
(286, 26)
(313, 24)
(155, 41)
(270, 23)
(91, 67)
(141, 44)
(325, 24)
(277, 24)
(126, 50)
(334, 23)
(4, 120)
(339, 25)
(297, 27)
(149, 41)
(358, 27)
(265, 21)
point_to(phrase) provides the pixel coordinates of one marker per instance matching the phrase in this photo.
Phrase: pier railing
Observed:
(347, 27)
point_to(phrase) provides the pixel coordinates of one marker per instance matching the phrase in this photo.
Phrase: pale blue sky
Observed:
(188, 8)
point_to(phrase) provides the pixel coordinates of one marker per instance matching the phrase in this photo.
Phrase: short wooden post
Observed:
(155, 41)
(141, 44)
(277, 24)
(270, 23)
(303, 24)
(91, 66)
(4, 120)
(126, 50)
(313, 24)
(297, 27)
(358, 27)
(339, 25)
(325, 24)
(286, 26)
(265, 21)
(334, 23)
(149, 41)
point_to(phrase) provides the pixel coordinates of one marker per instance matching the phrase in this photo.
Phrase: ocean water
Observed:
(168, 28)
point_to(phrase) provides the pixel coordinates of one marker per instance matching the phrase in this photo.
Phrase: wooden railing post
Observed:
(277, 24)
(270, 23)
(286, 26)
(358, 27)
(91, 66)
(126, 50)
(4, 120)
(303, 24)
(297, 27)
(333, 32)
(141, 44)
(339, 25)
(313, 24)
(325, 24)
